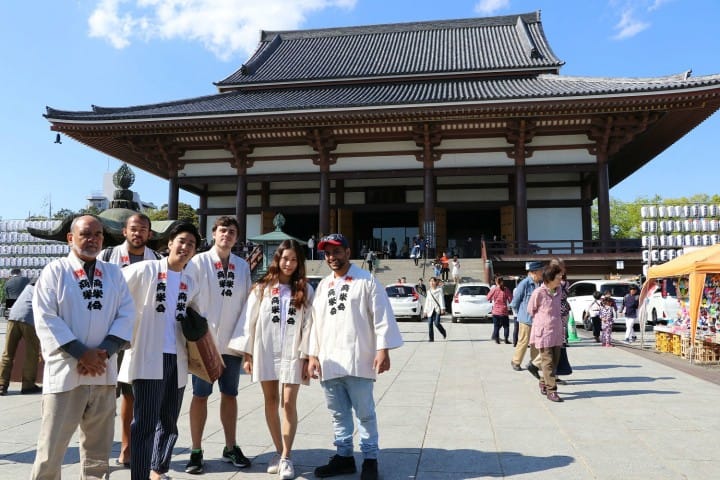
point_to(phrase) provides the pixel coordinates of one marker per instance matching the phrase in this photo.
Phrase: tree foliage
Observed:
(625, 217)
(185, 212)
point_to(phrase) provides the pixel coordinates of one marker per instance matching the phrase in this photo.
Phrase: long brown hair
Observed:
(298, 281)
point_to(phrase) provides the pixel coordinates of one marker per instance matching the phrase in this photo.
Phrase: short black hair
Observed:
(182, 227)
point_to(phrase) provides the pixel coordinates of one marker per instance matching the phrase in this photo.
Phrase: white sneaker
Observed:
(286, 470)
(274, 463)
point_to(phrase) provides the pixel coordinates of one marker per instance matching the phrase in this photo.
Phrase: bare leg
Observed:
(126, 416)
(290, 417)
(228, 418)
(198, 417)
(272, 404)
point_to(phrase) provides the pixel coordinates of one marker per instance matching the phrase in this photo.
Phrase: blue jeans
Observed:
(343, 395)
(434, 319)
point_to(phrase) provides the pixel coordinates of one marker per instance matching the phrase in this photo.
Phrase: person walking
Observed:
(137, 233)
(434, 307)
(20, 325)
(629, 309)
(607, 316)
(444, 267)
(594, 312)
(455, 270)
(224, 279)
(351, 313)
(84, 314)
(500, 296)
(547, 334)
(157, 363)
(519, 304)
(415, 252)
(13, 287)
(273, 325)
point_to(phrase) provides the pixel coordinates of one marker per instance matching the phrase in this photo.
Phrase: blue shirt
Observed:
(521, 297)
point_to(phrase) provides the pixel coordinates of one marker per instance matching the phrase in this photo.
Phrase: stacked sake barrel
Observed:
(668, 229)
(19, 249)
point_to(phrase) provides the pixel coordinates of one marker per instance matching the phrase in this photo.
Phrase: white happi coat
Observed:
(144, 360)
(63, 314)
(221, 310)
(121, 256)
(274, 357)
(346, 343)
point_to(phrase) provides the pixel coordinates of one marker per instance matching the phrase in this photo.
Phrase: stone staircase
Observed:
(388, 271)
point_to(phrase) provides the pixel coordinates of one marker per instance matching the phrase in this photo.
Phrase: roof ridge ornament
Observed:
(254, 63)
(526, 39)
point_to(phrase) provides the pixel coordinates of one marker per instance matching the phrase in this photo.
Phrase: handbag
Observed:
(204, 358)
(564, 367)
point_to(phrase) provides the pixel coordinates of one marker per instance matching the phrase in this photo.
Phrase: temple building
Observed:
(452, 129)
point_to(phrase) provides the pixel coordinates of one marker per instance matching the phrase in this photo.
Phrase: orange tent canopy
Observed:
(696, 264)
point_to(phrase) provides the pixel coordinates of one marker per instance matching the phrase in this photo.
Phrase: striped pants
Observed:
(154, 431)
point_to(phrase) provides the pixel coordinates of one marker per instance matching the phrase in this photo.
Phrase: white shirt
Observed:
(63, 314)
(275, 346)
(222, 305)
(347, 341)
(144, 360)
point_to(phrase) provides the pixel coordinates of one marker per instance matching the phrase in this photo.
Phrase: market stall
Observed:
(701, 270)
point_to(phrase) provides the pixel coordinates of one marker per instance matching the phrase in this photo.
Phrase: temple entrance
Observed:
(376, 230)
(465, 228)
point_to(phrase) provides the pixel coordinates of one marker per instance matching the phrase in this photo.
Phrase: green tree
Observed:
(62, 213)
(185, 212)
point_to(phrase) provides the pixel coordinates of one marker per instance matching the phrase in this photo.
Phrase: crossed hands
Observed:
(93, 362)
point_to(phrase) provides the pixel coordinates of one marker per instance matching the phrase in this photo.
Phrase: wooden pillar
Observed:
(324, 211)
(241, 203)
(603, 191)
(203, 216)
(173, 195)
(586, 211)
(520, 133)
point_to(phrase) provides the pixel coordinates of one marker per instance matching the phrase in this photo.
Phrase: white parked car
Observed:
(663, 305)
(470, 301)
(580, 297)
(405, 300)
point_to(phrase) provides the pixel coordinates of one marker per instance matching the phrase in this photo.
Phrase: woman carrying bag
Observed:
(434, 307)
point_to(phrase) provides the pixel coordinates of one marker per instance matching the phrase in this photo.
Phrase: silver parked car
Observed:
(470, 301)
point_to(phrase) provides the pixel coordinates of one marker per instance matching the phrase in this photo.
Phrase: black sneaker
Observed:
(236, 457)
(195, 465)
(534, 371)
(3, 390)
(31, 390)
(369, 469)
(336, 466)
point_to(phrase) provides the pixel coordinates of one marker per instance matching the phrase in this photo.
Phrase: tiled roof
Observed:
(507, 43)
(392, 95)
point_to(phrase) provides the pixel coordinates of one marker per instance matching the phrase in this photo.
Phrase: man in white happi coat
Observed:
(83, 314)
(225, 281)
(157, 363)
(137, 232)
(353, 330)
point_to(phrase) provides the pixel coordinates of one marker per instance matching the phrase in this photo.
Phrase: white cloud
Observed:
(488, 7)
(225, 27)
(629, 25)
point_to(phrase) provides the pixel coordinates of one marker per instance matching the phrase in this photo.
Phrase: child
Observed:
(607, 314)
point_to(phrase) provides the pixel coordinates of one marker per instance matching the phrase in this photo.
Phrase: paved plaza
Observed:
(455, 410)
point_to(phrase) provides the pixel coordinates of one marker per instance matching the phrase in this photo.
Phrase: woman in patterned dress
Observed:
(607, 314)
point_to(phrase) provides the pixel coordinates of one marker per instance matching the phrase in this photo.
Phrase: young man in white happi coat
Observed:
(157, 363)
(353, 330)
(137, 232)
(83, 314)
(225, 281)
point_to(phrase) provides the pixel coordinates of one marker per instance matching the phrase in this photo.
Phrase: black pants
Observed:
(516, 327)
(501, 321)
(597, 324)
(435, 319)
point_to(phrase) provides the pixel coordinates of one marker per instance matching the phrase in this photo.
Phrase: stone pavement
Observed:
(455, 410)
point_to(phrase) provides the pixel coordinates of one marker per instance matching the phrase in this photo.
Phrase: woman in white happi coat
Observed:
(274, 323)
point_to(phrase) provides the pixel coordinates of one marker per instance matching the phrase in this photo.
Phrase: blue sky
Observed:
(71, 54)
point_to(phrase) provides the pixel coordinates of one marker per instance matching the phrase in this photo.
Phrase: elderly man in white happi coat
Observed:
(353, 330)
(225, 281)
(83, 314)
